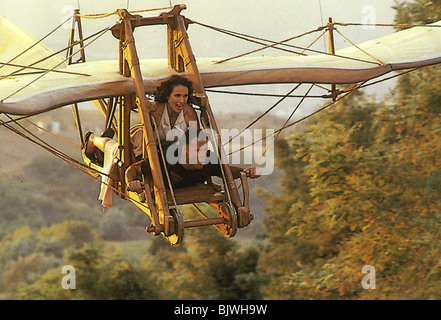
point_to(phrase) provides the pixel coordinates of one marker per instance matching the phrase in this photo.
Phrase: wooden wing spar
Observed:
(414, 47)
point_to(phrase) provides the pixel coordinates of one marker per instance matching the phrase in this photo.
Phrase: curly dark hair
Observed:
(164, 90)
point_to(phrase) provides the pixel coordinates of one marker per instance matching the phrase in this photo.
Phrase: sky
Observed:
(271, 19)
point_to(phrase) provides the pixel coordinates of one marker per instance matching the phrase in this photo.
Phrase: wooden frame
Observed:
(162, 204)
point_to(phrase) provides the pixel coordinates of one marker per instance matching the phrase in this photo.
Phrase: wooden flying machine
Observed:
(120, 88)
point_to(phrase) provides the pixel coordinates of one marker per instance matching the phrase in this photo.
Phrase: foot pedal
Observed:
(170, 226)
(244, 217)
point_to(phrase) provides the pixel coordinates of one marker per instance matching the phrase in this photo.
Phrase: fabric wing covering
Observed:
(414, 47)
(17, 49)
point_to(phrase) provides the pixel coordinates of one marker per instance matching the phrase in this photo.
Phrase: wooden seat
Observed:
(197, 193)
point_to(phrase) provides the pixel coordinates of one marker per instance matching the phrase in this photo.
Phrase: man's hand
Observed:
(253, 172)
(136, 186)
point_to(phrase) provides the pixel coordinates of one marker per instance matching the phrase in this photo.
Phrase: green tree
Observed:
(47, 192)
(114, 225)
(24, 256)
(417, 12)
(370, 171)
(100, 274)
(367, 194)
(210, 267)
(71, 233)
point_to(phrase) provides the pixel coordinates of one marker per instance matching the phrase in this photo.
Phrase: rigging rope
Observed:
(38, 141)
(364, 51)
(103, 31)
(312, 43)
(108, 14)
(272, 95)
(82, 167)
(266, 112)
(250, 39)
(395, 25)
(294, 111)
(36, 43)
(164, 163)
(52, 134)
(40, 70)
(346, 93)
(274, 44)
(322, 21)
(299, 120)
(289, 118)
(53, 54)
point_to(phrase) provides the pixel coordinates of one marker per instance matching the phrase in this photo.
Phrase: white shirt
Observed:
(165, 130)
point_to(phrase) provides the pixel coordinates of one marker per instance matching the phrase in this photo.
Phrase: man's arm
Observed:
(133, 177)
(251, 172)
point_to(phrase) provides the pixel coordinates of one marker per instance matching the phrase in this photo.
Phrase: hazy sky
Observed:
(275, 19)
(272, 19)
